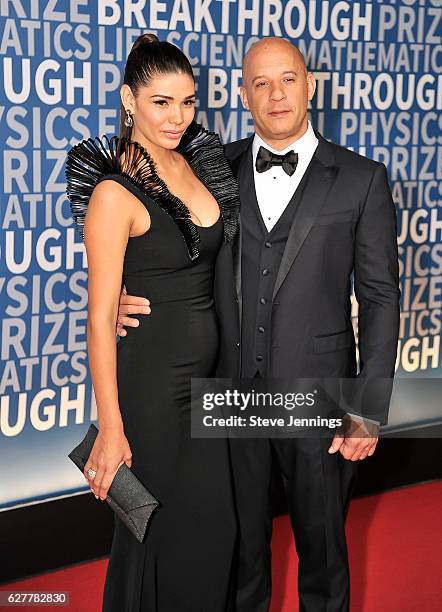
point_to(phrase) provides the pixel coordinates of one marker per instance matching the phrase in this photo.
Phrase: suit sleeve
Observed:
(376, 282)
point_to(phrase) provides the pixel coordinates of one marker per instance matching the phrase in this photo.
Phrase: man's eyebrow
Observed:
(264, 77)
(171, 97)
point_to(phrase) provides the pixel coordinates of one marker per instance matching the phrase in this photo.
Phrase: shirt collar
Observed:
(304, 145)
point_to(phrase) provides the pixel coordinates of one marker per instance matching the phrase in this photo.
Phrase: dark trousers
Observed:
(318, 487)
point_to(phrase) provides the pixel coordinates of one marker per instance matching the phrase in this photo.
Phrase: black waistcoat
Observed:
(261, 257)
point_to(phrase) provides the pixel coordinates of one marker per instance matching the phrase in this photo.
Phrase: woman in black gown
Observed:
(140, 233)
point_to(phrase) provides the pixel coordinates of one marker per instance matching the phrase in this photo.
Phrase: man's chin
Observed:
(280, 131)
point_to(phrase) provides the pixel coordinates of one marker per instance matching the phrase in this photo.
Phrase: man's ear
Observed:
(243, 95)
(311, 86)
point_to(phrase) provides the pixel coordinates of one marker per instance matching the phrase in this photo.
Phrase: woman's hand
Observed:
(111, 449)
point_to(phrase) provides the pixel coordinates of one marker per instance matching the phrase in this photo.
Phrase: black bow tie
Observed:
(266, 159)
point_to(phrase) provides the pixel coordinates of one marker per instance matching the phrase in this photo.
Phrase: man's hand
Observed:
(130, 304)
(357, 439)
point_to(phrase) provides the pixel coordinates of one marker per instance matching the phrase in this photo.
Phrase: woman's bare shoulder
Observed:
(107, 188)
(111, 199)
(112, 195)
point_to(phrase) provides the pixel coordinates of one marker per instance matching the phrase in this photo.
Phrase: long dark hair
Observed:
(148, 58)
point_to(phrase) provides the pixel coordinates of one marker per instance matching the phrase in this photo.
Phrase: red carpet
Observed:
(394, 539)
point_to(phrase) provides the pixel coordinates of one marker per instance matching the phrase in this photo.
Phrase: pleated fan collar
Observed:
(92, 159)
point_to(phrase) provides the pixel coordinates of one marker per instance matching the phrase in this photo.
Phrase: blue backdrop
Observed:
(378, 67)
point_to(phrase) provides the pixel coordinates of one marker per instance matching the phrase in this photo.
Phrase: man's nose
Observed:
(277, 93)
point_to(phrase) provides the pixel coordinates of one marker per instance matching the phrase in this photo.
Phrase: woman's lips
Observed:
(172, 134)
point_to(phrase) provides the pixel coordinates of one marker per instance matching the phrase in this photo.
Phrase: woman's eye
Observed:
(160, 102)
(189, 102)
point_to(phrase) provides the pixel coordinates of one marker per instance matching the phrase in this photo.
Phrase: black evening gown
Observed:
(186, 560)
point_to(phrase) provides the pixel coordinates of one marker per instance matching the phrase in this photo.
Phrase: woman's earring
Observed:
(128, 120)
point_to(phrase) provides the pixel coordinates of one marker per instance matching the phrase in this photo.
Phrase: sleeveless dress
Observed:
(186, 560)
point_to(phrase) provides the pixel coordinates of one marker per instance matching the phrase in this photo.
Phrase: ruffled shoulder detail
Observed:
(205, 154)
(95, 158)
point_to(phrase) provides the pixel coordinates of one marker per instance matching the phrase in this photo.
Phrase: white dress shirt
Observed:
(275, 188)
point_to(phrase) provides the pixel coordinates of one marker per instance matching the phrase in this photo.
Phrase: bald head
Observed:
(271, 44)
(277, 89)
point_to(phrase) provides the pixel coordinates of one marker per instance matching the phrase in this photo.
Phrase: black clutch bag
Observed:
(127, 496)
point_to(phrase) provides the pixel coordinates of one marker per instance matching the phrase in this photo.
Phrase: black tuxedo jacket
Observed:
(344, 227)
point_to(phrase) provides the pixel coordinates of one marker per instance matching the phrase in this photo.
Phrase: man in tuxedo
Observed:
(313, 215)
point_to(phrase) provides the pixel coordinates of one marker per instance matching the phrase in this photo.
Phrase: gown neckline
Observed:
(165, 187)
(91, 160)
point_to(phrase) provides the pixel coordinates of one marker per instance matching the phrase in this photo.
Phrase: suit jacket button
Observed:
(238, 343)
(259, 357)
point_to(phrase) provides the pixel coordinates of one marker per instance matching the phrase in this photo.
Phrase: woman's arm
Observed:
(106, 230)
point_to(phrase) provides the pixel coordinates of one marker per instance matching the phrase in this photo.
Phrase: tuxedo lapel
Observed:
(319, 179)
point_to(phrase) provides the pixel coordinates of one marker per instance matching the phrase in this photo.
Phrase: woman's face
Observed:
(162, 110)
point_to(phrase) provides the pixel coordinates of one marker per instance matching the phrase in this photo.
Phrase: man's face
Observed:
(276, 89)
